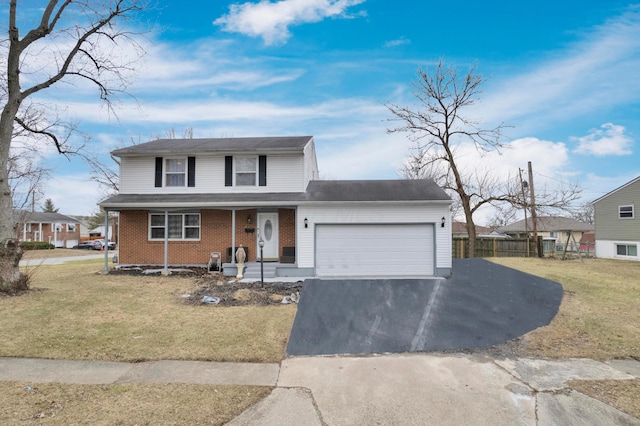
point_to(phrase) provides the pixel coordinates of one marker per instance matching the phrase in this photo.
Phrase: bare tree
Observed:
(584, 213)
(439, 127)
(80, 39)
(106, 173)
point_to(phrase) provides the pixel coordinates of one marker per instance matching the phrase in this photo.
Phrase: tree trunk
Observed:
(11, 279)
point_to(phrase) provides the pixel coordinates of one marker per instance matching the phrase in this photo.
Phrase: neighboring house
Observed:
(617, 226)
(459, 230)
(554, 230)
(181, 200)
(588, 242)
(54, 228)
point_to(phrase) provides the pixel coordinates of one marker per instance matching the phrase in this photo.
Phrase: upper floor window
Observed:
(27, 227)
(246, 170)
(175, 172)
(176, 169)
(625, 212)
(553, 234)
(71, 227)
(182, 226)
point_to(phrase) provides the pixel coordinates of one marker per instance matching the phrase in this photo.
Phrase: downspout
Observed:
(106, 242)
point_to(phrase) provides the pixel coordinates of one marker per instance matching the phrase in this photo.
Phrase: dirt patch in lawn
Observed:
(216, 289)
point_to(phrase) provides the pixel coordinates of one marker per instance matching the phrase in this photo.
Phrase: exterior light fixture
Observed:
(306, 222)
(249, 219)
(442, 222)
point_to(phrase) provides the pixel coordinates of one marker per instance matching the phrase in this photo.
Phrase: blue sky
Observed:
(563, 74)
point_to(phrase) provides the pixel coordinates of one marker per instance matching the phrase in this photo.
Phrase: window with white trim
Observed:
(625, 212)
(71, 227)
(627, 250)
(246, 171)
(175, 172)
(182, 226)
(28, 227)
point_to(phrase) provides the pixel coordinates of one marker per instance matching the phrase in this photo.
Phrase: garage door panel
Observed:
(374, 250)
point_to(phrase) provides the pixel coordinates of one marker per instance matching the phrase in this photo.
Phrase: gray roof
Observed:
(217, 145)
(23, 216)
(317, 191)
(376, 190)
(547, 224)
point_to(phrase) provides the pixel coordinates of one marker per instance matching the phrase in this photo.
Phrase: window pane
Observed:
(245, 164)
(175, 226)
(157, 232)
(632, 250)
(246, 179)
(157, 220)
(175, 180)
(192, 233)
(621, 250)
(191, 220)
(626, 211)
(175, 166)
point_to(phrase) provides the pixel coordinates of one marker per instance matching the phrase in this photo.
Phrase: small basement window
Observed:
(625, 212)
(627, 250)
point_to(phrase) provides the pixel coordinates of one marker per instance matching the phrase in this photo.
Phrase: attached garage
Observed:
(372, 250)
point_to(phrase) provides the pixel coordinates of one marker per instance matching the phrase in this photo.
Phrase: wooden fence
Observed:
(496, 247)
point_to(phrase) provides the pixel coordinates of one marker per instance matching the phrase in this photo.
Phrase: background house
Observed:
(554, 230)
(617, 227)
(54, 228)
(181, 200)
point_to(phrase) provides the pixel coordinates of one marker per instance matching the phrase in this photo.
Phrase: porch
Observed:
(271, 270)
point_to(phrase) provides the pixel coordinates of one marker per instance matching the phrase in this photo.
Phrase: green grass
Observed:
(79, 314)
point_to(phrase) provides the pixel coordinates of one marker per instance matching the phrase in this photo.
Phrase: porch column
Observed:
(40, 233)
(233, 236)
(24, 231)
(166, 242)
(106, 241)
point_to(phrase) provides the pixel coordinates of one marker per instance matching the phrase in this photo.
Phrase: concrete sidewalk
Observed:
(442, 389)
(61, 260)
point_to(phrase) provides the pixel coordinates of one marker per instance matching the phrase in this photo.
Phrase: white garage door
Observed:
(372, 250)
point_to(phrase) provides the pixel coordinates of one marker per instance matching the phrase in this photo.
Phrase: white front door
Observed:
(268, 231)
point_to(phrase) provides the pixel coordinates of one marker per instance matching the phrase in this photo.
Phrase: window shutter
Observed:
(262, 170)
(158, 172)
(228, 170)
(191, 171)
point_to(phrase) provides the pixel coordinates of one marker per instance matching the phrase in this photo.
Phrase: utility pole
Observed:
(534, 215)
(524, 186)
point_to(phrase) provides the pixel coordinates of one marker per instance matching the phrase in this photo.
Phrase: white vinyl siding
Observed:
(374, 213)
(374, 250)
(285, 173)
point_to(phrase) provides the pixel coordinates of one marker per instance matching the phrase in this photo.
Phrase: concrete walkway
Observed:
(61, 260)
(424, 389)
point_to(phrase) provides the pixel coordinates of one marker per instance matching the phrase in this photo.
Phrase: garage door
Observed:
(370, 250)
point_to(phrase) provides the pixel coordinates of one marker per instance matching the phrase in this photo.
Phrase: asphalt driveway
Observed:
(480, 305)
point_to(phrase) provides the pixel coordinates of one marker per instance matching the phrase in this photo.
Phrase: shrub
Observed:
(36, 245)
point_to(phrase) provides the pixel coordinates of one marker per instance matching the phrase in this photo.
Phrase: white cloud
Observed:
(589, 76)
(608, 140)
(74, 194)
(271, 20)
(397, 42)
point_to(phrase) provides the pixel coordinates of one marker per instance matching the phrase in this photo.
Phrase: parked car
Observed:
(89, 245)
(112, 244)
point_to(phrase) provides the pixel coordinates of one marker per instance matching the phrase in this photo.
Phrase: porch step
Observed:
(252, 270)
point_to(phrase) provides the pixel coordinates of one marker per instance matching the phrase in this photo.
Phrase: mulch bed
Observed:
(224, 290)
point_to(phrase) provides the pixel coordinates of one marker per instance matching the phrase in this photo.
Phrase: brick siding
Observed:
(215, 236)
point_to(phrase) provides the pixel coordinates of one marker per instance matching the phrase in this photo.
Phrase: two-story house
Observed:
(54, 228)
(617, 227)
(182, 199)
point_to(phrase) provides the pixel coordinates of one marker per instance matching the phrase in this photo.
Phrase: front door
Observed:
(268, 231)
